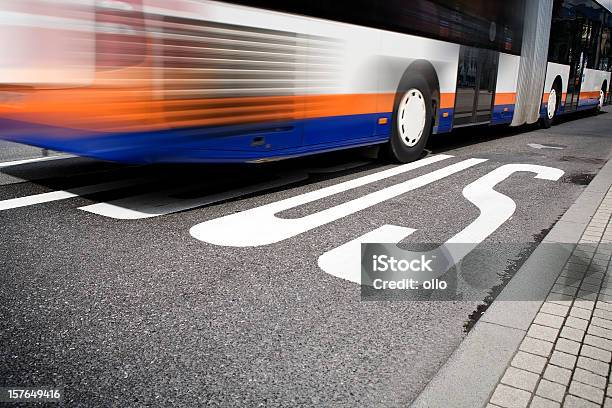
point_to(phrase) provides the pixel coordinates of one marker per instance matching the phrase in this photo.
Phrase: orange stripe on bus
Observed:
(505, 98)
(113, 110)
(447, 100)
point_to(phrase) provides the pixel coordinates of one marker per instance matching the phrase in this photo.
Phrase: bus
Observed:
(144, 81)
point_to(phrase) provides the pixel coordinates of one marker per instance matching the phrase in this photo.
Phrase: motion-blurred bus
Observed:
(248, 81)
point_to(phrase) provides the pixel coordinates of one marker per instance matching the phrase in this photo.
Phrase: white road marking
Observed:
(345, 261)
(261, 226)
(63, 195)
(495, 209)
(541, 146)
(38, 159)
(161, 203)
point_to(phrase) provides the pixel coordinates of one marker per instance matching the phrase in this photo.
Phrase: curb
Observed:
(472, 372)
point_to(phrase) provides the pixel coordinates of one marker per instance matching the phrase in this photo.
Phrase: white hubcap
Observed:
(552, 103)
(411, 117)
(602, 96)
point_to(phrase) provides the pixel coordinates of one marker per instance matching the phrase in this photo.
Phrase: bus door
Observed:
(577, 61)
(575, 80)
(476, 78)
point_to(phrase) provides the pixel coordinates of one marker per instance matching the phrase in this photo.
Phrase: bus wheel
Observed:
(411, 120)
(551, 109)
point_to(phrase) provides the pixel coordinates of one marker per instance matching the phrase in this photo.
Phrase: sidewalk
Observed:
(553, 352)
(564, 359)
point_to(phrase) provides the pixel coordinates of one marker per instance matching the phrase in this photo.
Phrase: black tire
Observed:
(547, 122)
(395, 149)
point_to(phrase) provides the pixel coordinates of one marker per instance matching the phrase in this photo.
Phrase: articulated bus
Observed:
(143, 81)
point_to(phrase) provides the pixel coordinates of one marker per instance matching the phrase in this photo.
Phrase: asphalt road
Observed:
(138, 312)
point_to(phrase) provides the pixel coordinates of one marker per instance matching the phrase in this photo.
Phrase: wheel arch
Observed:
(428, 72)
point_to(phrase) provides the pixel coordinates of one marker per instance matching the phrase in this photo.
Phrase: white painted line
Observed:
(541, 146)
(345, 261)
(162, 203)
(495, 209)
(38, 159)
(261, 226)
(63, 195)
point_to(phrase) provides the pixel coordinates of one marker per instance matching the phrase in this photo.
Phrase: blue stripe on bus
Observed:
(502, 114)
(214, 144)
(445, 124)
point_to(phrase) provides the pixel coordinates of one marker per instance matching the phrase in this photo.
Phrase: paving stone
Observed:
(584, 304)
(561, 359)
(586, 391)
(522, 379)
(539, 402)
(594, 228)
(576, 323)
(604, 306)
(590, 378)
(608, 403)
(572, 333)
(609, 390)
(510, 397)
(549, 320)
(574, 271)
(577, 260)
(551, 390)
(567, 346)
(592, 288)
(557, 374)
(555, 309)
(529, 362)
(598, 321)
(602, 263)
(606, 291)
(587, 295)
(571, 401)
(567, 281)
(543, 332)
(599, 262)
(596, 353)
(592, 280)
(600, 332)
(580, 313)
(604, 297)
(598, 342)
(595, 275)
(560, 299)
(565, 290)
(536, 346)
(596, 366)
(602, 314)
